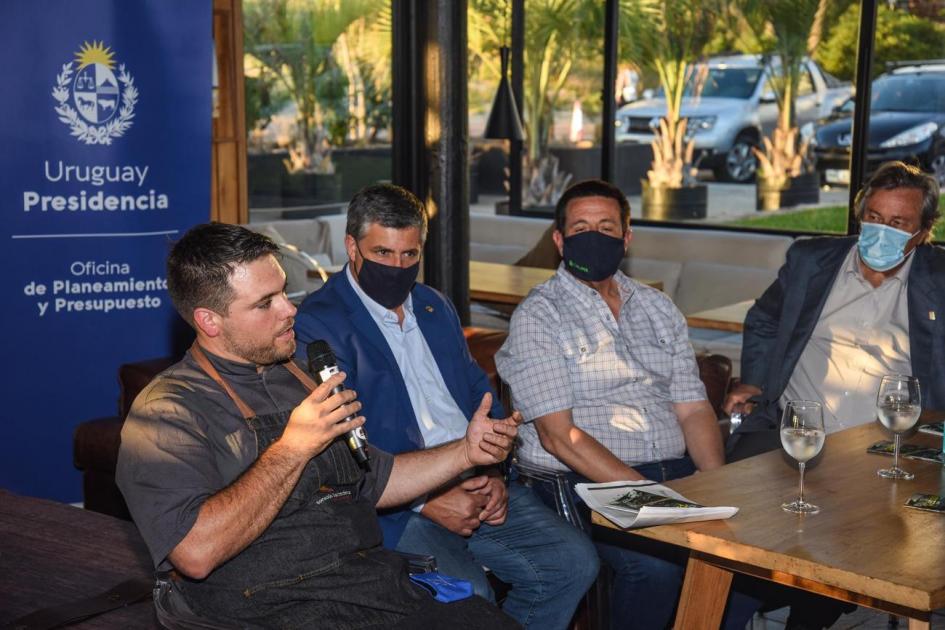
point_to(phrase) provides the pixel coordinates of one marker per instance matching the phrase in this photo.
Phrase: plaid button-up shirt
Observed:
(619, 377)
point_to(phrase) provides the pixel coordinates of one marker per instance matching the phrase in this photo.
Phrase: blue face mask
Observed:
(882, 247)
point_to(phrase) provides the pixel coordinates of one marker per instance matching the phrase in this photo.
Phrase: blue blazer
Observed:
(782, 320)
(335, 314)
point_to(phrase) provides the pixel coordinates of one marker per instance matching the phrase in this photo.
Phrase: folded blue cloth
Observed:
(443, 587)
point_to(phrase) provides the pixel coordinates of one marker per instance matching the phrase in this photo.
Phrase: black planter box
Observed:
(632, 163)
(799, 190)
(307, 189)
(674, 204)
(271, 185)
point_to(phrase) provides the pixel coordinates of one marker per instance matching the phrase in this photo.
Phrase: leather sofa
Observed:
(95, 442)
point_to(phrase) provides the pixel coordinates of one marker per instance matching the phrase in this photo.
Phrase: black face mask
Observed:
(592, 255)
(388, 286)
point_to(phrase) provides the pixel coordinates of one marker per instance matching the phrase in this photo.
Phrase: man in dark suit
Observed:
(845, 311)
(402, 347)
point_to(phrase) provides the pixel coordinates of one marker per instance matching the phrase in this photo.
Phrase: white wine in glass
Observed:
(898, 407)
(802, 436)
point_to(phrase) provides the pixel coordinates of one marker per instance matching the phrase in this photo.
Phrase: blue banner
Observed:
(104, 160)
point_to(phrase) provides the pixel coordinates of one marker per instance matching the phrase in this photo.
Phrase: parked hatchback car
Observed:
(730, 105)
(906, 122)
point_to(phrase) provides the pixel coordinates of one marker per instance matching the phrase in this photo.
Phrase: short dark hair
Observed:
(201, 262)
(387, 205)
(592, 188)
(892, 175)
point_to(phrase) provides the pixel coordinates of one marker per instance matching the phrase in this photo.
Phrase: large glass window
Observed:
(489, 28)
(767, 139)
(907, 115)
(561, 98)
(726, 94)
(318, 102)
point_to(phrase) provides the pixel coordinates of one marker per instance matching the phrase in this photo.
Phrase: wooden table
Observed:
(53, 554)
(509, 284)
(730, 317)
(863, 547)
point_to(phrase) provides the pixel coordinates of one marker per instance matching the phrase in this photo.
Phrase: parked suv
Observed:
(730, 105)
(907, 122)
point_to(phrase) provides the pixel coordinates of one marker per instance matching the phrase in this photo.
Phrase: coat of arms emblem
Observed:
(93, 101)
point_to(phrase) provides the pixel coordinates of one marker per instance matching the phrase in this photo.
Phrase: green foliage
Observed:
(331, 92)
(899, 36)
(377, 95)
(556, 34)
(835, 8)
(293, 40)
(735, 34)
(263, 99)
(667, 37)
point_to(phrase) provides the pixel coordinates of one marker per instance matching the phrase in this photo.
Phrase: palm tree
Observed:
(667, 37)
(793, 30)
(293, 39)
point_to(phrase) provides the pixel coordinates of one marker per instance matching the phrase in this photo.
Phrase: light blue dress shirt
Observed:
(438, 416)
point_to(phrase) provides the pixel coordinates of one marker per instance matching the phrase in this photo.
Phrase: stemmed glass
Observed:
(898, 406)
(802, 436)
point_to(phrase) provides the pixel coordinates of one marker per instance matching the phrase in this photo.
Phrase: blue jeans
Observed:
(548, 563)
(647, 583)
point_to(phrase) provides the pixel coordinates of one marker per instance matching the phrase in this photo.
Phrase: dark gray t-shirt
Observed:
(184, 440)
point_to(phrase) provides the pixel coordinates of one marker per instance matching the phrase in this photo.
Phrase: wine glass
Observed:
(898, 406)
(802, 436)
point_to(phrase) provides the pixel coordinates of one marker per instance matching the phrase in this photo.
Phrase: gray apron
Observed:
(320, 562)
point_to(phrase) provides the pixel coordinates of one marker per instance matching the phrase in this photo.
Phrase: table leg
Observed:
(916, 624)
(704, 594)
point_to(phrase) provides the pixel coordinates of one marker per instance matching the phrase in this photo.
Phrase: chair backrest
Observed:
(483, 344)
(133, 377)
(715, 370)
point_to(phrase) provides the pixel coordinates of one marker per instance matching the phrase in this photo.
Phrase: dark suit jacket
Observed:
(335, 313)
(782, 320)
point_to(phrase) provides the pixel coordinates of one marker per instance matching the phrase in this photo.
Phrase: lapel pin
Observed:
(932, 315)
(430, 310)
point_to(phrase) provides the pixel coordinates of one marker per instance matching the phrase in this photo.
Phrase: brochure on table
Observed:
(602, 497)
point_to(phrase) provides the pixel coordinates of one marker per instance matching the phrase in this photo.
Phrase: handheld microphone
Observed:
(323, 365)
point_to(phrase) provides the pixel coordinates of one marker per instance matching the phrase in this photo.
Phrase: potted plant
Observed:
(556, 43)
(785, 176)
(294, 42)
(668, 36)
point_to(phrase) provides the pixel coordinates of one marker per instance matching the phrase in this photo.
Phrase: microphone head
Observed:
(320, 356)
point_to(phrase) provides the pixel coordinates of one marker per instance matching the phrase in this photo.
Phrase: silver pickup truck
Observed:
(730, 105)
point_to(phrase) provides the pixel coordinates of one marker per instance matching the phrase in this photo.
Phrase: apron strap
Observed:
(245, 409)
(299, 374)
(211, 371)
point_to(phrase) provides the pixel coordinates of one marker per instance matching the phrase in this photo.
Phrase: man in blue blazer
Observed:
(845, 311)
(402, 347)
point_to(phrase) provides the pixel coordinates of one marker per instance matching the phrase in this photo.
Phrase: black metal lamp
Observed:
(504, 122)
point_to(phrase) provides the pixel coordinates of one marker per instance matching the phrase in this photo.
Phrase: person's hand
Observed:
(459, 507)
(317, 421)
(737, 399)
(487, 441)
(497, 508)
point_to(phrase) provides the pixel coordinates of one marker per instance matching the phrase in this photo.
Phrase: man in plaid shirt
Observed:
(602, 369)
